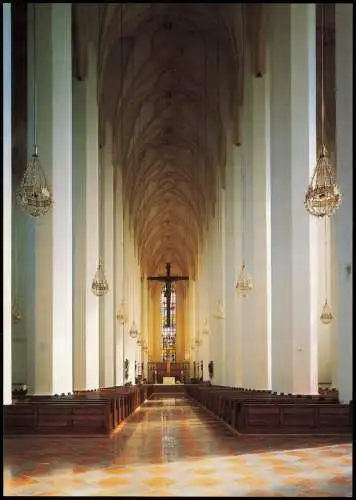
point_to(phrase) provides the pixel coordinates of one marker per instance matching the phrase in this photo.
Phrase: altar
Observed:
(169, 380)
(159, 370)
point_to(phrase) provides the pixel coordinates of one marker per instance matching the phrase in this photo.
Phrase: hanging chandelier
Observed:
(326, 316)
(219, 311)
(34, 194)
(100, 285)
(206, 329)
(244, 283)
(121, 315)
(133, 330)
(323, 195)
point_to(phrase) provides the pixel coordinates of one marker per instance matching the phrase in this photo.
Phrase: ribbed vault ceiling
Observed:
(170, 85)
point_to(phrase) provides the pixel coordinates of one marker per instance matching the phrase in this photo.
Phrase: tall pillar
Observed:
(293, 232)
(344, 226)
(119, 277)
(53, 274)
(92, 207)
(231, 269)
(107, 333)
(257, 328)
(7, 205)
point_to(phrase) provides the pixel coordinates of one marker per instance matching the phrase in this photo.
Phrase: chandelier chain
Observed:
(34, 44)
(322, 75)
(243, 175)
(325, 258)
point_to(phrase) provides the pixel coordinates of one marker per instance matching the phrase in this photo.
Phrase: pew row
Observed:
(261, 412)
(83, 413)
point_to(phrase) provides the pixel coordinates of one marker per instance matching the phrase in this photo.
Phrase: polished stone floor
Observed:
(172, 447)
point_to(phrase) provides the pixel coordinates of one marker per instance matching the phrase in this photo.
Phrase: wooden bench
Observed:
(229, 404)
(84, 412)
(267, 418)
(59, 417)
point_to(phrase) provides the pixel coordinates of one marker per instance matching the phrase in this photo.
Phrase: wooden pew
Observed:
(62, 417)
(84, 412)
(229, 403)
(267, 418)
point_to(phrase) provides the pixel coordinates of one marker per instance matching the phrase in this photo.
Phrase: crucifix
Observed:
(168, 280)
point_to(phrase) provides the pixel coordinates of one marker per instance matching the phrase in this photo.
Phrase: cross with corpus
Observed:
(168, 279)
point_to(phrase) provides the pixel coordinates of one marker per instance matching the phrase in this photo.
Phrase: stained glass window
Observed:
(168, 330)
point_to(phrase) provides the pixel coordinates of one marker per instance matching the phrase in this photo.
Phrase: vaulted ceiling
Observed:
(170, 83)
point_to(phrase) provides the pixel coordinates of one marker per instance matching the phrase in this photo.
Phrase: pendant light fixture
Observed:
(323, 195)
(206, 329)
(244, 282)
(34, 194)
(100, 285)
(326, 316)
(219, 311)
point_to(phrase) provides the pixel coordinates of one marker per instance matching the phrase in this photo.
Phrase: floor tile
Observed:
(172, 447)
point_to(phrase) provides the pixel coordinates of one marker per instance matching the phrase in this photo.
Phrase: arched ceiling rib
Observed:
(169, 83)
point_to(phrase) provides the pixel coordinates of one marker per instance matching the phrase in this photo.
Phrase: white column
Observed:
(293, 232)
(53, 289)
(251, 348)
(231, 271)
(120, 292)
(7, 204)
(344, 129)
(260, 332)
(79, 233)
(108, 257)
(92, 224)
(62, 191)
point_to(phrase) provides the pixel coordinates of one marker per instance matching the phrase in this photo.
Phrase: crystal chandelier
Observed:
(198, 341)
(121, 315)
(206, 329)
(244, 282)
(219, 311)
(34, 194)
(133, 330)
(99, 285)
(326, 316)
(323, 195)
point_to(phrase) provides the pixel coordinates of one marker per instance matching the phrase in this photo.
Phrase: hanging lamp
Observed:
(244, 283)
(100, 285)
(206, 329)
(323, 195)
(133, 330)
(34, 194)
(326, 316)
(219, 314)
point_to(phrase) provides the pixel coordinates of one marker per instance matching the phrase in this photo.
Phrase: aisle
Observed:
(172, 447)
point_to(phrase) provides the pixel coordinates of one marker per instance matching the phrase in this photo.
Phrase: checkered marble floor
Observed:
(172, 447)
